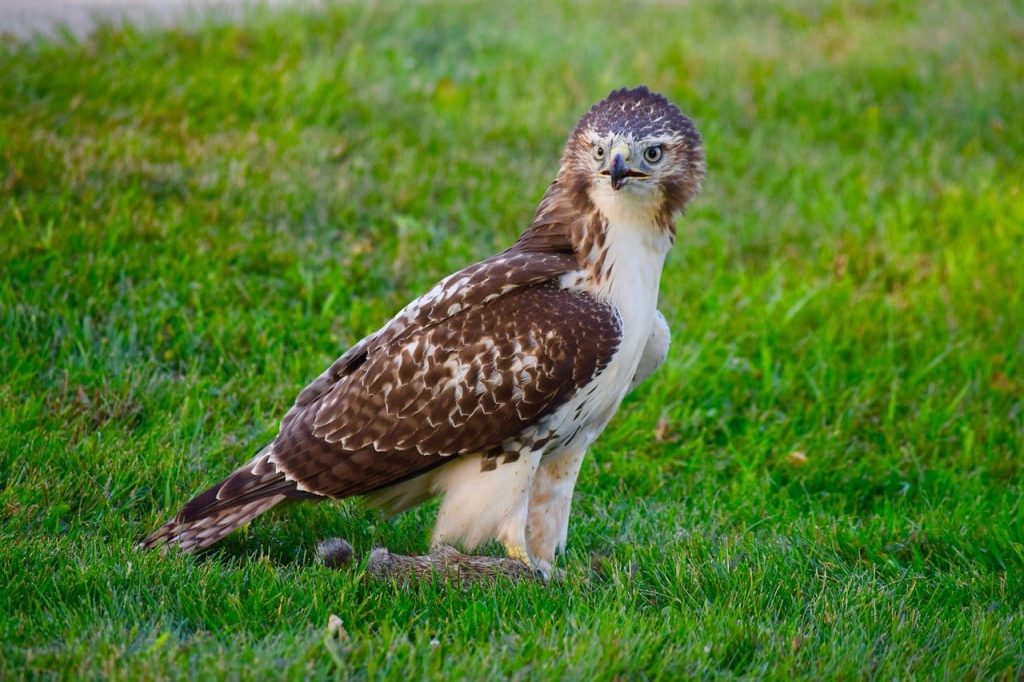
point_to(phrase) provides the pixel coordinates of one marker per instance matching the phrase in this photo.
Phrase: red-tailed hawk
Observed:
(488, 389)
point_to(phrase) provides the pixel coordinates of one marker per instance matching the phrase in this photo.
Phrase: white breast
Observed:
(635, 257)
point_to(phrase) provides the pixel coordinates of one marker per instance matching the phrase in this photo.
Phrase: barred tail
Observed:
(232, 503)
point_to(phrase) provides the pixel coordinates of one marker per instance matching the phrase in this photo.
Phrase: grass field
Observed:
(195, 223)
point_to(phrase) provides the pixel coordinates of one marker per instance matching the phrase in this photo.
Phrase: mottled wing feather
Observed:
(477, 285)
(473, 286)
(467, 368)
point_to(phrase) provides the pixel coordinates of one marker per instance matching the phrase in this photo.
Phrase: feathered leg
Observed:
(547, 524)
(486, 499)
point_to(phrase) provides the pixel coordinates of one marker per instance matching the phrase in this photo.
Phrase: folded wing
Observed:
(467, 368)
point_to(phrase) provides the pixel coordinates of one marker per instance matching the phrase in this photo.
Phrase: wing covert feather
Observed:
(465, 369)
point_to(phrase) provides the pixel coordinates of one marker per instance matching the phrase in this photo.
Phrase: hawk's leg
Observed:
(486, 499)
(550, 501)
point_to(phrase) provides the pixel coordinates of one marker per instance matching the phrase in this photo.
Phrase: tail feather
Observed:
(232, 503)
(202, 532)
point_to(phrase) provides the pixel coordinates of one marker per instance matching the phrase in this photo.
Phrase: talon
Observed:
(547, 574)
(542, 569)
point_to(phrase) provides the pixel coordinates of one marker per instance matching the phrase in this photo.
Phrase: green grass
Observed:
(194, 223)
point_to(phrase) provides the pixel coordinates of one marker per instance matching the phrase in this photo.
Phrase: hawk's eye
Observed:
(598, 152)
(652, 154)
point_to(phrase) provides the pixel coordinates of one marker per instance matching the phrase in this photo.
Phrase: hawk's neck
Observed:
(624, 263)
(619, 246)
(593, 227)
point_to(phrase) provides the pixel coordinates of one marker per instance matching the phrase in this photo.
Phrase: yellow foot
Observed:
(518, 553)
(541, 567)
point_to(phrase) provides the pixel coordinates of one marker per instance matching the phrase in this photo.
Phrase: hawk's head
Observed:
(634, 151)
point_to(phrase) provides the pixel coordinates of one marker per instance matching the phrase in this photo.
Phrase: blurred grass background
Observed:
(824, 479)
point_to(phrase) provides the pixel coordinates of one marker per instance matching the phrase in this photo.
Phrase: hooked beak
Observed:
(618, 171)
